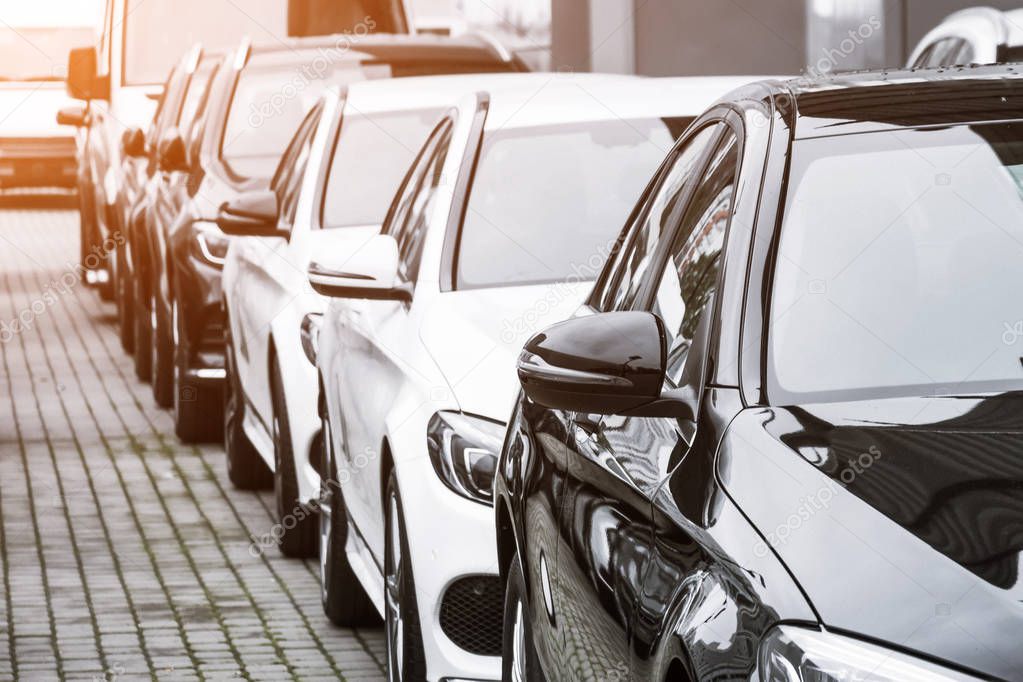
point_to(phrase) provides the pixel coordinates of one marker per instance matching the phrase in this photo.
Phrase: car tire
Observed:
(245, 468)
(162, 372)
(143, 355)
(197, 405)
(406, 659)
(519, 661)
(297, 536)
(345, 601)
(125, 304)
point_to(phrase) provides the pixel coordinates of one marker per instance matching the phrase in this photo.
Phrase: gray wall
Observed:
(719, 37)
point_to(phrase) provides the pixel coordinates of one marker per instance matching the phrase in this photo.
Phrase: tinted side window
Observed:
(657, 219)
(943, 52)
(689, 282)
(415, 200)
(288, 179)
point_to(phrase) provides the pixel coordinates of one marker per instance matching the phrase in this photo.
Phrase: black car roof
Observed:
(391, 48)
(904, 98)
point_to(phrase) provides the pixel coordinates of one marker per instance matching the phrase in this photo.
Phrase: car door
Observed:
(615, 464)
(264, 266)
(374, 337)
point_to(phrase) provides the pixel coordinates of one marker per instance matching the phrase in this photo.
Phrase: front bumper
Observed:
(453, 553)
(38, 162)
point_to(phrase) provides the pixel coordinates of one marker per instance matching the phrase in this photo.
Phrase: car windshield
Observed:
(372, 156)
(32, 53)
(270, 100)
(547, 203)
(899, 269)
(158, 32)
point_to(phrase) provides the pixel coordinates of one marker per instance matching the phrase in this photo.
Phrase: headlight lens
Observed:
(464, 452)
(210, 243)
(310, 334)
(792, 654)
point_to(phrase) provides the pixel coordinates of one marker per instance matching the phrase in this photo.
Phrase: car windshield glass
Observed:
(547, 203)
(373, 154)
(269, 102)
(30, 53)
(899, 266)
(158, 32)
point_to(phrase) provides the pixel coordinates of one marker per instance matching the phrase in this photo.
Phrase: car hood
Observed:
(475, 337)
(29, 109)
(902, 519)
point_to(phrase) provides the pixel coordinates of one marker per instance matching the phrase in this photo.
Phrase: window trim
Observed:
(460, 196)
(611, 278)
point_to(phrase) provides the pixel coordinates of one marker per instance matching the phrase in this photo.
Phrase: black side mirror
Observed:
(171, 153)
(610, 363)
(252, 214)
(72, 116)
(133, 142)
(83, 81)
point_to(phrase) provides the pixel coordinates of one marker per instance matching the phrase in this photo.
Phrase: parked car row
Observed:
(570, 376)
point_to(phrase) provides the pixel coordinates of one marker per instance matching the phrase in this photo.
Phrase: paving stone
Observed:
(123, 553)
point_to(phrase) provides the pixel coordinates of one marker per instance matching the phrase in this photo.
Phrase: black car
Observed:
(255, 106)
(178, 108)
(783, 439)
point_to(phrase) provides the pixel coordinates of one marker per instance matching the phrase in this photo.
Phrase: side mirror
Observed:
(133, 142)
(252, 214)
(361, 269)
(171, 153)
(609, 363)
(83, 81)
(72, 116)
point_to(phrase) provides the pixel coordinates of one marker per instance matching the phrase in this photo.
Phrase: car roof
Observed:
(867, 101)
(563, 99)
(1006, 26)
(387, 47)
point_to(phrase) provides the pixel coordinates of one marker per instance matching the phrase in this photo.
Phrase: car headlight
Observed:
(310, 334)
(464, 452)
(210, 243)
(793, 654)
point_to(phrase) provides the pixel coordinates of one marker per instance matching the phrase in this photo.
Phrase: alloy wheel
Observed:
(393, 598)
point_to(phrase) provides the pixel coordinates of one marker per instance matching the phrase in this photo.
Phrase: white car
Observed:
(497, 230)
(976, 35)
(352, 152)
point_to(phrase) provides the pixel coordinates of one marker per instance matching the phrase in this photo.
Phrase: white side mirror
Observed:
(359, 267)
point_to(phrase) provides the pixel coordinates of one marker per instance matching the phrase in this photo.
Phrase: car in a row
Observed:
(580, 377)
(496, 192)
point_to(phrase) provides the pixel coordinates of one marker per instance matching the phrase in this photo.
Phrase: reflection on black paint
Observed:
(957, 484)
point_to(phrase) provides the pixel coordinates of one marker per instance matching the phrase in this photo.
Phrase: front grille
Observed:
(472, 614)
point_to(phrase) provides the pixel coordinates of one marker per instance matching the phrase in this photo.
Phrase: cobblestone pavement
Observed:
(124, 554)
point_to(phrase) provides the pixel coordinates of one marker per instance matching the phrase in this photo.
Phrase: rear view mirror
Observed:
(133, 142)
(83, 80)
(172, 154)
(252, 214)
(609, 363)
(361, 269)
(72, 116)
